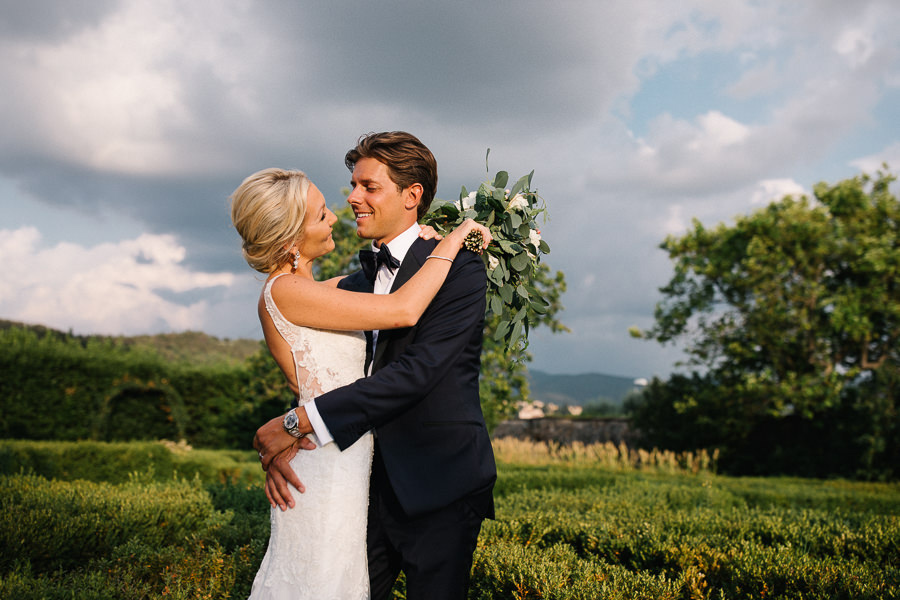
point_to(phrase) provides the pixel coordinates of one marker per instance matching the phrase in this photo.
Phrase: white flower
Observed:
(467, 202)
(518, 201)
(534, 236)
(492, 262)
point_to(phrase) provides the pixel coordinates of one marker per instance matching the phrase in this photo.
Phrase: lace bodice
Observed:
(323, 359)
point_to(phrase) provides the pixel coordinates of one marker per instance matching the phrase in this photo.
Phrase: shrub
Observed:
(116, 462)
(54, 524)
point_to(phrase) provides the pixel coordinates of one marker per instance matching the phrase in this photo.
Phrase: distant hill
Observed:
(579, 389)
(189, 347)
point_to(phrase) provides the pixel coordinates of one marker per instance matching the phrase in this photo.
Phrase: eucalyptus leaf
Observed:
(516, 333)
(520, 262)
(508, 246)
(500, 179)
(506, 293)
(522, 292)
(515, 219)
(496, 202)
(539, 306)
(496, 305)
(520, 185)
(502, 330)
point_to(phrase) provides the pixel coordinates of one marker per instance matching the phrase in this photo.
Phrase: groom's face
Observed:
(383, 211)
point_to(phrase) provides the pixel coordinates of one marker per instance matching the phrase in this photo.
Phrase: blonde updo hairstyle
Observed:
(267, 210)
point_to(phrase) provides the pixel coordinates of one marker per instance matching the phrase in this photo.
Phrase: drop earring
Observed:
(296, 260)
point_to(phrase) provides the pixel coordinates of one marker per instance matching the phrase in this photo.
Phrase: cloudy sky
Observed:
(126, 124)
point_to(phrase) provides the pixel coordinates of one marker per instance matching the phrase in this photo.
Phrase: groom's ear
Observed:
(412, 195)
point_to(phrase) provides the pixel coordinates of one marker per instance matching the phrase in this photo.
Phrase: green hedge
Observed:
(702, 537)
(117, 462)
(53, 524)
(564, 531)
(73, 389)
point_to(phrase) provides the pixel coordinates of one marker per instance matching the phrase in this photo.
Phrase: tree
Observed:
(792, 315)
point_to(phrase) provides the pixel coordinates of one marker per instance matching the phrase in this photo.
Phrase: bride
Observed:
(314, 331)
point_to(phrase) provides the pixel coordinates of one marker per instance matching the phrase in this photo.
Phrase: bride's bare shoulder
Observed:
(334, 281)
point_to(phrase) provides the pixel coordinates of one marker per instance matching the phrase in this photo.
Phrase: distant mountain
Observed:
(579, 389)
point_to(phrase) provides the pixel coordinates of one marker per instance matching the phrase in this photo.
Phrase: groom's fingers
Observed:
(278, 476)
(272, 493)
(277, 492)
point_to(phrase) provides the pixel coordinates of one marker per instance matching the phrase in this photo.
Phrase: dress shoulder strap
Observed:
(283, 326)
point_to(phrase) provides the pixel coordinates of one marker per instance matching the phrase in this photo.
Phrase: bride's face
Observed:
(317, 224)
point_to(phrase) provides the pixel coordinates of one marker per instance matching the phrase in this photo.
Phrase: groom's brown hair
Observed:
(407, 159)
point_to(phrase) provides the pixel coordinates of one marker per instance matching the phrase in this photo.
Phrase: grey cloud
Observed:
(50, 19)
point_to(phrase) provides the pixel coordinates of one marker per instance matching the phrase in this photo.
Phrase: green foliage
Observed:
(58, 524)
(792, 316)
(187, 347)
(602, 408)
(569, 529)
(118, 462)
(193, 348)
(513, 258)
(67, 388)
(706, 536)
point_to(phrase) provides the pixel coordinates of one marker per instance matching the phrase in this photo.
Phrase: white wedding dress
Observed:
(318, 548)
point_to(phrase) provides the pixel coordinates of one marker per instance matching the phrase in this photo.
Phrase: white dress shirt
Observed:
(384, 279)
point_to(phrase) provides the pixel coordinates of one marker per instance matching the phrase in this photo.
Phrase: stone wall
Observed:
(566, 431)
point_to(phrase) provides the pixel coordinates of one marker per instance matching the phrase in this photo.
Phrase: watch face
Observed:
(291, 420)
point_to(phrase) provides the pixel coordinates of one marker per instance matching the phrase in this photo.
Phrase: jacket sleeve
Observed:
(449, 329)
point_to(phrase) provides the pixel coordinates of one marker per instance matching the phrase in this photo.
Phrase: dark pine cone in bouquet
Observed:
(474, 241)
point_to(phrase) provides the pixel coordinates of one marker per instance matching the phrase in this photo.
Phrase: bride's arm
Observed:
(316, 304)
(426, 232)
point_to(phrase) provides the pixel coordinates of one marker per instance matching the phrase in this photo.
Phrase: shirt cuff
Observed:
(318, 425)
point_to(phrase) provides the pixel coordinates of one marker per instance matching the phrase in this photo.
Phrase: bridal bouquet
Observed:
(514, 254)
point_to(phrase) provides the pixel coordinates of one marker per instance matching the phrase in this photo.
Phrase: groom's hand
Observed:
(279, 474)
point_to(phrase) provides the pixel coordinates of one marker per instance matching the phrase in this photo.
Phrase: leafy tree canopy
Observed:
(793, 305)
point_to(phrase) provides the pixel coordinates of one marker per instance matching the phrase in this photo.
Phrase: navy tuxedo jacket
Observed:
(422, 398)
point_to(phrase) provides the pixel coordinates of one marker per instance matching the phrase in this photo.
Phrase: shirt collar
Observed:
(401, 244)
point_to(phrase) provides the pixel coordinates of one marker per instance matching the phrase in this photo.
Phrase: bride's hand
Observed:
(427, 232)
(467, 227)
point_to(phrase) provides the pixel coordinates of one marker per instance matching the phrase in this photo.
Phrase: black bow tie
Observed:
(371, 261)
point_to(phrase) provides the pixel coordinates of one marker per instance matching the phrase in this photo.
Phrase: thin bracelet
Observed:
(440, 257)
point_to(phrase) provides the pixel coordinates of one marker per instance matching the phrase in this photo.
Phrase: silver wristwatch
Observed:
(292, 424)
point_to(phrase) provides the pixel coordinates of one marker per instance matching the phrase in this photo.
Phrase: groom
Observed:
(433, 470)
